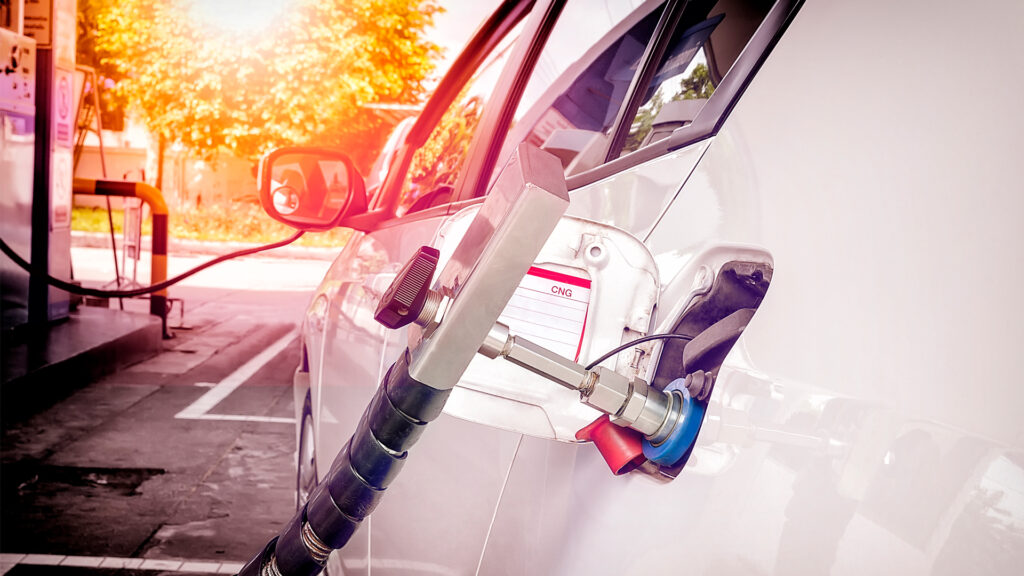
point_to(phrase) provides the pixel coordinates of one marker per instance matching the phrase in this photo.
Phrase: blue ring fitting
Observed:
(671, 451)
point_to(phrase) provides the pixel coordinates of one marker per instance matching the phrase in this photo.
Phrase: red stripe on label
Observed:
(559, 277)
(583, 331)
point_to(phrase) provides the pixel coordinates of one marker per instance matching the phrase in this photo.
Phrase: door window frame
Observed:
(541, 16)
(715, 111)
(538, 17)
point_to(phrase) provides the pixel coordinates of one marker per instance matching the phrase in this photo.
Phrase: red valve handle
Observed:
(621, 447)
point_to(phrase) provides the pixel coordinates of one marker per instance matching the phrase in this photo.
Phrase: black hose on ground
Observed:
(76, 289)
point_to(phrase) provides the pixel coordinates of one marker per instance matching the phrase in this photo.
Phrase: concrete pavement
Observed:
(138, 467)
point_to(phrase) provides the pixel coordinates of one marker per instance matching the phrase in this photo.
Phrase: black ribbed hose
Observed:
(362, 470)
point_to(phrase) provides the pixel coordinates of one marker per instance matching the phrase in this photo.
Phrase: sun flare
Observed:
(239, 16)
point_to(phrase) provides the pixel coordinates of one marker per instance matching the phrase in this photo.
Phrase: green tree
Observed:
(695, 86)
(112, 113)
(304, 80)
(644, 121)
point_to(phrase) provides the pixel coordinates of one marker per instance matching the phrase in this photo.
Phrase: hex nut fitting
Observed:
(433, 312)
(542, 361)
(630, 402)
(607, 392)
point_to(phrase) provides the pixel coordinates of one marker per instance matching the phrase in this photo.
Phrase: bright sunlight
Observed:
(239, 16)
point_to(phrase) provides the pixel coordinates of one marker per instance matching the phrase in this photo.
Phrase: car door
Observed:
(453, 482)
(839, 439)
(691, 71)
(349, 351)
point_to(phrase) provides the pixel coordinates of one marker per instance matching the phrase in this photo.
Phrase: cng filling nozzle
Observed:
(668, 419)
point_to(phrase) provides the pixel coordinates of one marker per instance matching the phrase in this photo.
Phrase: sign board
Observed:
(39, 22)
(52, 24)
(62, 108)
(550, 308)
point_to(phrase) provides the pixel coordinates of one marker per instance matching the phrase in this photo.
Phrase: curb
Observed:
(42, 368)
(182, 247)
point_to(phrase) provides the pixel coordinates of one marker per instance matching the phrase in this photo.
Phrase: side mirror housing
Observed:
(310, 188)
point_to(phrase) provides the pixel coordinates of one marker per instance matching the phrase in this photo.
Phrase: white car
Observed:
(825, 196)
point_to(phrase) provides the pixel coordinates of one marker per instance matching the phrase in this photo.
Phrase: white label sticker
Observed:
(60, 184)
(550, 308)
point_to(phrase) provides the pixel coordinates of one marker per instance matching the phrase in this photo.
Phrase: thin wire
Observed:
(113, 240)
(74, 289)
(615, 351)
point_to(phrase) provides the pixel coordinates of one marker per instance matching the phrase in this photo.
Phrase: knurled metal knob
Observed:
(404, 298)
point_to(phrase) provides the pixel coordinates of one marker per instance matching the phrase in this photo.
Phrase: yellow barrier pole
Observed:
(158, 208)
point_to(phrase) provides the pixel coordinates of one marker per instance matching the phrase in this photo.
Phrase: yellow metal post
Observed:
(158, 208)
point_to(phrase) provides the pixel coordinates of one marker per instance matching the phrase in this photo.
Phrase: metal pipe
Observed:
(630, 402)
(158, 209)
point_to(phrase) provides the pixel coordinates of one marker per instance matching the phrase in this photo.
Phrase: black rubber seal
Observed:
(293, 558)
(368, 457)
(350, 492)
(412, 397)
(332, 526)
(393, 428)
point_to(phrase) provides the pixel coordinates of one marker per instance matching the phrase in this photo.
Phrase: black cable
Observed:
(68, 287)
(615, 351)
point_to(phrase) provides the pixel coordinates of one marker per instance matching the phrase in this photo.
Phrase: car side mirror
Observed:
(310, 188)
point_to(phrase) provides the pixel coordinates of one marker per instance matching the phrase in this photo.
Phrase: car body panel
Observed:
(635, 198)
(616, 307)
(868, 417)
(866, 421)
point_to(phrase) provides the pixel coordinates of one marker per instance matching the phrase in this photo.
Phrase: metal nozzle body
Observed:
(630, 402)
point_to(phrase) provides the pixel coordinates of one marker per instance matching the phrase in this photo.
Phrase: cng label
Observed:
(550, 308)
(561, 291)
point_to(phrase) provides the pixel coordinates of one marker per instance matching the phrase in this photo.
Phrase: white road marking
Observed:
(81, 561)
(160, 564)
(244, 418)
(9, 561)
(199, 410)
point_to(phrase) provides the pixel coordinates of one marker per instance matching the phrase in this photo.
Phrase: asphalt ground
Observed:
(181, 463)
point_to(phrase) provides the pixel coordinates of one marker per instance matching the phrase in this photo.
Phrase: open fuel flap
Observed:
(712, 300)
(595, 288)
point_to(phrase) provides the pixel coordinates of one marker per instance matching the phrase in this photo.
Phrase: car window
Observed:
(579, 87)
(435, 167)
(581, 79)
(382, 165)
(703, 47)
